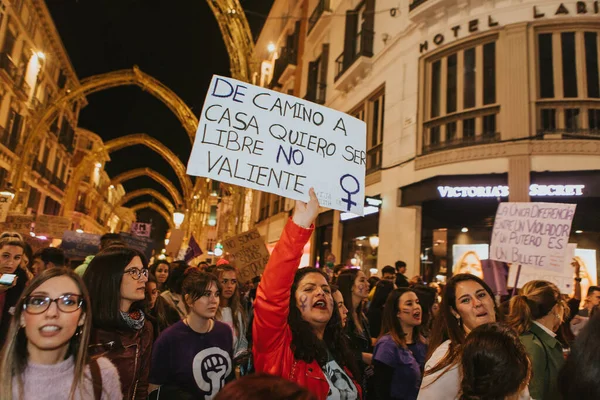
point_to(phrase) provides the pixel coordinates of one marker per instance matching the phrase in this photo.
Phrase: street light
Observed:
(178, 217)
(8, 192)
(271, 47)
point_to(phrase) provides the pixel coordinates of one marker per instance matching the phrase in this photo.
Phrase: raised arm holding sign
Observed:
(265, 140)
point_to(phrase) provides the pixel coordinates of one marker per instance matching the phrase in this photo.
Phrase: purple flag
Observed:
(193, 250)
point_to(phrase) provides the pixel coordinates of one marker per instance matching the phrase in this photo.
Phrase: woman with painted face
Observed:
(536, 314)
(467, 302)
(193, 358)
(161, 270)
(160, 313)
(400, 351)
(11, 254)
(297, 329)
(230, 310)
(355, 289)
(46, 356)
(338, 299)
(116, 279)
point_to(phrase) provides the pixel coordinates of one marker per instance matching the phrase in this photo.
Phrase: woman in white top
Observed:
(467, 303)
(230, 310)
(46, 351)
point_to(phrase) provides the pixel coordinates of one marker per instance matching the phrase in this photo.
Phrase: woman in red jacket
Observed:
(297, 330)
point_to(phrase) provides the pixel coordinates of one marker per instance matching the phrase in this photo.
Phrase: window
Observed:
(594, 119)
(548, 119)
(591, 64)
(316, 88)
(572, 119)
(372, 111)
(358, 36)
(461, 102)
(545, 61)
(569, 68)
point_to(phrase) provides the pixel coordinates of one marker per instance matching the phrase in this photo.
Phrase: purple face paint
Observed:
(303, 300)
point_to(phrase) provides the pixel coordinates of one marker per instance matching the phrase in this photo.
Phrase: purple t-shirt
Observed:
(199, 363)
(407, 365)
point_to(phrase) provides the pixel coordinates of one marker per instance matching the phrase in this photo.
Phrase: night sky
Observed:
(177, 42)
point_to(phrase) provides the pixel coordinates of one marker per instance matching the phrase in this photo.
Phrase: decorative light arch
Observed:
(135, 173)
(147, 192)
(156, 208)
(117, 144)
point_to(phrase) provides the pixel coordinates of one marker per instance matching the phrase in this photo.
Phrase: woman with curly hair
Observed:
(297, 329)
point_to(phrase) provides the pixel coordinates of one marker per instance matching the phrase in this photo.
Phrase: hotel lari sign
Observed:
(539, 12)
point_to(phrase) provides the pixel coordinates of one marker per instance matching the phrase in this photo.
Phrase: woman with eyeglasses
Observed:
(116, 279)
(193, 358)
(46, 356)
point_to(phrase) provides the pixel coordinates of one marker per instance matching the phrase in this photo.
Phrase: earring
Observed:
(79, 331)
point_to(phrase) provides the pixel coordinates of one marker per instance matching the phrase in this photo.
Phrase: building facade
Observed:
(467, 103)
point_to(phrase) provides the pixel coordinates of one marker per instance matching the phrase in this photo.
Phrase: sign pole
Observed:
(514, 291)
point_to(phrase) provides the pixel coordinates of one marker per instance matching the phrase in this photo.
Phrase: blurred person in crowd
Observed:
(467, 303)
(46, 258)
(401, 278)
(116, 279)
(46, 356)
(297, 327)
(388, 273)
(230, 309)
(337, 270)
(202, 265)
(173, 293)
(494, 365)
(160, 313)
(194, 356)
(161, 270)
(428, 300)
(400, 351)
(338, 299)
(263, 387)
(106, 240)
(375, 313)
(579, 376)
(469, 263)
(27, 261)
(11, 254)
(591, 300)
(536, 314)
(416, 280)
(355, 289)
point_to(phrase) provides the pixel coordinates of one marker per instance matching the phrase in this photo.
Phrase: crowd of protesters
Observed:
(117, 328)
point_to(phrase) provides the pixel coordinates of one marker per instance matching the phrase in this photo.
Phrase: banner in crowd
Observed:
(269, 141)
(532, 234)
(562, 278)
(140, 243)
(141, 229)
(18, 223)
(80, 245)
(5, 201)
(51, 225)
(248, 253)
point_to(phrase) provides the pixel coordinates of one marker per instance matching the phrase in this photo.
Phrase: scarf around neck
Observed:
(135, 319)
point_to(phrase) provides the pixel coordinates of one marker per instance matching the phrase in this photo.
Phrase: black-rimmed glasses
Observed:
(136, 273)
(67, 303)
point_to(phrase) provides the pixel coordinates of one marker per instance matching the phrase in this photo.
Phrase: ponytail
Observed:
(520, 316)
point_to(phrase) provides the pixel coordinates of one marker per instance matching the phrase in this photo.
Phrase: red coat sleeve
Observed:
(271, 306)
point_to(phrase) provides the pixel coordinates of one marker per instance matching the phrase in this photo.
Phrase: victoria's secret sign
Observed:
(474, 25)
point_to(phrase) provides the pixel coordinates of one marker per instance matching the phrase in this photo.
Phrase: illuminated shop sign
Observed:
(503, 191)
(372, 206)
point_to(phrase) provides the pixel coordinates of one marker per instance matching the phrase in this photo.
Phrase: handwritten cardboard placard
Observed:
(248, 253)
(51, 225)
(532, 234)
(80, 245)
(269, 141)
(141, 229)
(18, 223)
(140, 243)
(563, 278)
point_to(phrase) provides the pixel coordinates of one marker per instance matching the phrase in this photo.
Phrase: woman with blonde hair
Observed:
(469, 263)
(46, 352)
(536, 314)
(230, 309)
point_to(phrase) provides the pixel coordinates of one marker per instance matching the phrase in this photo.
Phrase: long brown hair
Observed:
(536, 300)
(14, 357)
(235, 302)
(390, 323)
(446, 326)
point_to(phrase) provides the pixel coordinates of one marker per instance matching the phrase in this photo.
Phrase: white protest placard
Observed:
(563, 279)
(269, 141)
(534, 234)
(141, 229)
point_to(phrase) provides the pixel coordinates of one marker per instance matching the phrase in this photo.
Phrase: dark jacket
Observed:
(401, 281)
(130, 352)
(11, 298)
(547, 359)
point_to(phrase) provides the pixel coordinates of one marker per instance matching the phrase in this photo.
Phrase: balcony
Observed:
(9, 67)
(81, 208)
(58, 183)
(37, 166)
(568, 133)
(35, 104)
(415, 3)
(321, 10)
(353, 66)
(317, 93)
(22, 88)
(9, 141)
(485, 138)
(285, 66)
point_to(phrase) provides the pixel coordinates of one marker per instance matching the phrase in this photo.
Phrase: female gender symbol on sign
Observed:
(349, 201)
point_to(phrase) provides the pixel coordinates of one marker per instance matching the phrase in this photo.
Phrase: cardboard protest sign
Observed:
(51, 225)
(269, 141)
(141, 229)
(563, 278)
(533, 234)
(18, 223)
(80, 245)
(5, 201)
(248, 253)
(140, 243)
